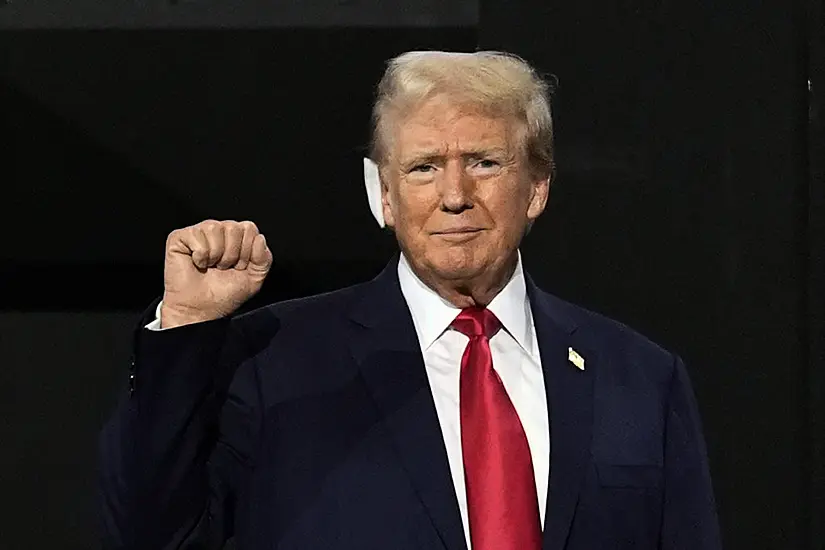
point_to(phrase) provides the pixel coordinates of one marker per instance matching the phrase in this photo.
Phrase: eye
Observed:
(422, 168)
(487, 163)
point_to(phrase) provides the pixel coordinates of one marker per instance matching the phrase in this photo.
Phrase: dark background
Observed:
(689, 203)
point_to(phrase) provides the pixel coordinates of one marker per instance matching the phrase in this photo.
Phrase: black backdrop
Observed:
(684, 207)
(689, 203)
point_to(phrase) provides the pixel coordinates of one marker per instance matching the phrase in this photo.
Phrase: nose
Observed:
(456, 188)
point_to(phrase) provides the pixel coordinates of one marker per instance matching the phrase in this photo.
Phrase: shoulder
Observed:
(623, 352)
(317, 312)
(294, 346)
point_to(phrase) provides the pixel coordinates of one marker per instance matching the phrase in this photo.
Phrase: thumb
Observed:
(261, 257)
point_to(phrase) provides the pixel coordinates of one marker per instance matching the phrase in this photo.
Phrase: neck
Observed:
(476, 291)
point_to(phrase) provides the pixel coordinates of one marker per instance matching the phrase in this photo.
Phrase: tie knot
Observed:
(476, 321)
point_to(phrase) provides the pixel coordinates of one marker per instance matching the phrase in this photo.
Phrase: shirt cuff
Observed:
(155, 325)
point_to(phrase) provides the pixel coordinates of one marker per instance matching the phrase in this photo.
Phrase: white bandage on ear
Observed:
(372, 181)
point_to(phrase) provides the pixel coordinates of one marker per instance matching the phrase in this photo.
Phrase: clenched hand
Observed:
(211, 269)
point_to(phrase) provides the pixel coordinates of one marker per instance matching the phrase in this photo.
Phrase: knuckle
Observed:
(179, 236)
(228, 259)
(250, 226)
(235, 230)
(215, 234)
(198, 248)
(216, 249)
(172, 236)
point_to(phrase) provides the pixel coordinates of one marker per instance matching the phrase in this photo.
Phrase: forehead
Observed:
(442, 127)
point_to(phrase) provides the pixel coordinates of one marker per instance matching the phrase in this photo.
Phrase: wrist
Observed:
(174, 316)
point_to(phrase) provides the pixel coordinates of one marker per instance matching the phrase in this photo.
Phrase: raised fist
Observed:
(211, 269)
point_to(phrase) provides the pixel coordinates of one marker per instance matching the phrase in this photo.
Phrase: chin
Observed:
(457, 274)
(450, 267)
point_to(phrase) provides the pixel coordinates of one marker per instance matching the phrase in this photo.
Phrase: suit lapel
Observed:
(386, 348)
(570, 406)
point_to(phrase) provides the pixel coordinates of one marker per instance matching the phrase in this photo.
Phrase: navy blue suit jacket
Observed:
(310, 424)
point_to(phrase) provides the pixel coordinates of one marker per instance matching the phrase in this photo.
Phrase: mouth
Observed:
(457, 234)
(460, 229)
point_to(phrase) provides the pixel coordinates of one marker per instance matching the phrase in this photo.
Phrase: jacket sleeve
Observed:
(689, 520)
(174, 450)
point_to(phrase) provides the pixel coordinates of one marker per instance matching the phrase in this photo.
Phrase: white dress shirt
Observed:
(515, 358)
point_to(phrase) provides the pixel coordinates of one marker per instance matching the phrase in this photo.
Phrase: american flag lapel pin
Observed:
(575, 358)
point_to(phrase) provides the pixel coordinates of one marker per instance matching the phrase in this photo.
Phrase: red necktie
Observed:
(501, 489)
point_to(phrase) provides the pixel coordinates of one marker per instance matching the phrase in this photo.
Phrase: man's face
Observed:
(458, 191)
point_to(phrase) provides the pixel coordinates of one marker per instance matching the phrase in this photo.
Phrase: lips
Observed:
(459, 235)
(458, 230)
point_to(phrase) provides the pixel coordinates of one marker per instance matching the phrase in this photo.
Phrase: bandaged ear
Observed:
(372, 182)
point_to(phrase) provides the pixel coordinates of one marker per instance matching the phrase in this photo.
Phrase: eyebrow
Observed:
(434, 155)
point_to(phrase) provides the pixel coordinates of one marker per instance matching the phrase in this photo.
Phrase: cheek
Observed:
(506, 202)
(415, 204)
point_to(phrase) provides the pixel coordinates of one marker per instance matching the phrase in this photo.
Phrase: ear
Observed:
(538, 198)
(387, 202)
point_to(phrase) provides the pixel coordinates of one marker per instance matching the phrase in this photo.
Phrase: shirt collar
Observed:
(432, 314)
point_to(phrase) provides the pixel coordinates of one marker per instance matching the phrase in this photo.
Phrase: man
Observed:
(448, 403)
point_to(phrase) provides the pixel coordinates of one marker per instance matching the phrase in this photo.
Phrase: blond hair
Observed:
(498, 83)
